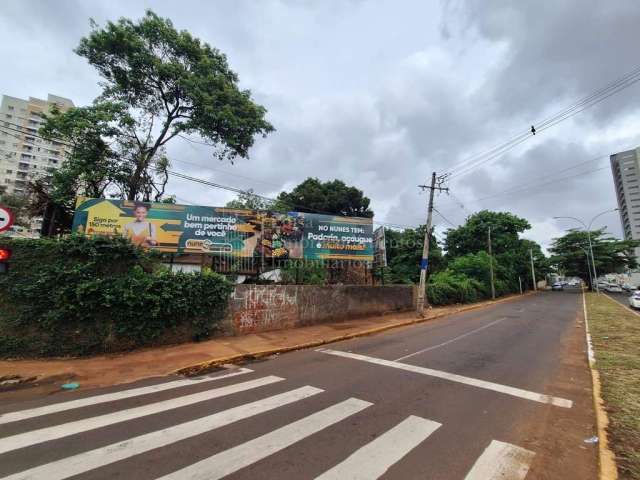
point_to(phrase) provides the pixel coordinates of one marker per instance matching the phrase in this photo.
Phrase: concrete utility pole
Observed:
(424, 263)
(493, 288)
(520, 282)
(533, 270)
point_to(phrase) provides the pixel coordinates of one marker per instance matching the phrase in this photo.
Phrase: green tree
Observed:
(472, 236)
(467, 252)
(172, 84)
(250, 201)
(333, 197)
(569, 253)
(404, 253)
(90, 168)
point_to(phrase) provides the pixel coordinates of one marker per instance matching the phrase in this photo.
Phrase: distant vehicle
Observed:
(613, 288)
(629, 288)
(634, 300)
(557, 286)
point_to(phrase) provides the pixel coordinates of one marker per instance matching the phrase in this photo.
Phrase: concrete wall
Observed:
(259, 308)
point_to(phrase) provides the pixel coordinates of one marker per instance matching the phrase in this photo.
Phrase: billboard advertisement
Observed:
(217, 230)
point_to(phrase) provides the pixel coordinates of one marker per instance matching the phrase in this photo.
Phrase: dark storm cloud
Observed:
(380, 94)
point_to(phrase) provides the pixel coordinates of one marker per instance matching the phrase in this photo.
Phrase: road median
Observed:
(615, 361)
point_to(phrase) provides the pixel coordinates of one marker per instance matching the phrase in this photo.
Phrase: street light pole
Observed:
(588, 230)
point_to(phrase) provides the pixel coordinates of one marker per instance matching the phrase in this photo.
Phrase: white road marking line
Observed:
(474, 382)
(501, 461)
(450, 341)
(232, 460)
(110, 397)
(377, 456)
(86, 461)
(34, 437)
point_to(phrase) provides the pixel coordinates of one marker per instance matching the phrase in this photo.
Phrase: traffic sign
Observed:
(6, 218)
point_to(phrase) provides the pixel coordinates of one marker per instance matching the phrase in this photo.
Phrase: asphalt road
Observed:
(499, 392)
(622, 298)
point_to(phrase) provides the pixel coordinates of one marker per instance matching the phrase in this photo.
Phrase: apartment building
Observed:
(23, 154)
(625, 167)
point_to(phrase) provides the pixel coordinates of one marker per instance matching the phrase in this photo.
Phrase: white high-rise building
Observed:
(625, 167)
(23, 154)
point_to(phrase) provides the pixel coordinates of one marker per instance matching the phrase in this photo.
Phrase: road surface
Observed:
(499, 392)
(622, 298)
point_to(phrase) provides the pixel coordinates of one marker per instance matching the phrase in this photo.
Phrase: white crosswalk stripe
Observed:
(232, 460)
(34, 437)
(370, 461)
(474, 382)
(501, 461)
(376, 457)
(111, 397)
(93, 459)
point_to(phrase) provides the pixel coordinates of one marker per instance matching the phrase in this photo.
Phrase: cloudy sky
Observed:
(381, 93)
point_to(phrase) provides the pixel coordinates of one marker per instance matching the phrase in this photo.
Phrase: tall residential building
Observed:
(625, 167)
(23, 154)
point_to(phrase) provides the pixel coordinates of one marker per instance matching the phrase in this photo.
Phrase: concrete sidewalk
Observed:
(193, 358)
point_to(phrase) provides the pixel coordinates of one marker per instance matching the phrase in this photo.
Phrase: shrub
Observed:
(446, 287)
(79, 296)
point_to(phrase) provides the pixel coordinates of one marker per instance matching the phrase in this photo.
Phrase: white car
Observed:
(613, 288)
(634, 300)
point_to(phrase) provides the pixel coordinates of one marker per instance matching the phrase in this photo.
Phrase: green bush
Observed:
(446, 287)
(80, 296)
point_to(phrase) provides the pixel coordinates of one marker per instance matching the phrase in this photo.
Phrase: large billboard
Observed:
(218, 230)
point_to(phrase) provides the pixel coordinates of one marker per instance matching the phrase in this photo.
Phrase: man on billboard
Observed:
(141, 232)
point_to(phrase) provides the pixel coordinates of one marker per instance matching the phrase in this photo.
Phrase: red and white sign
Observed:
(6, 218)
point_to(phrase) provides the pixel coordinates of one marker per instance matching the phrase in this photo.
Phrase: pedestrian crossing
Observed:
(370, 460)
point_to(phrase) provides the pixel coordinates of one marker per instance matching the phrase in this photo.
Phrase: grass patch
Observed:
(615, 333)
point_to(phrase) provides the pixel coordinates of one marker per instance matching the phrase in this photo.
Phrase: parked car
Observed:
(613, 288)
(629, 288)
(634, 299)
(557, 286)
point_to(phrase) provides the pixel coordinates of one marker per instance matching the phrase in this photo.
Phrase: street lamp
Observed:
(588, 230)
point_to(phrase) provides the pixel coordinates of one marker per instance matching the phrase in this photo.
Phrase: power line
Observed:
(523, 188)
(623, 82)
(268, 199)
(599, 95)
(445, 218)
(36, 135)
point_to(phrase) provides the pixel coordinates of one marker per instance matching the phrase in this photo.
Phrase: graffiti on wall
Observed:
(258, 308)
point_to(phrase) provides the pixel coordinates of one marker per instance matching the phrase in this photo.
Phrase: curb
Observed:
(606, 459)
(204, 367)
(618, 303)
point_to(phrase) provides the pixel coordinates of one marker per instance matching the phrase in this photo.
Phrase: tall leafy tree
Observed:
(171, 84)
(511, 254)
(332, 197)
(90, 167)
(472, 236)
(569, 253)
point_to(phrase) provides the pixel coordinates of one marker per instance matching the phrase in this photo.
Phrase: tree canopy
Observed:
(472, 236)
(569, 253)
(404, 252)
(332, 197)
(158, 83)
